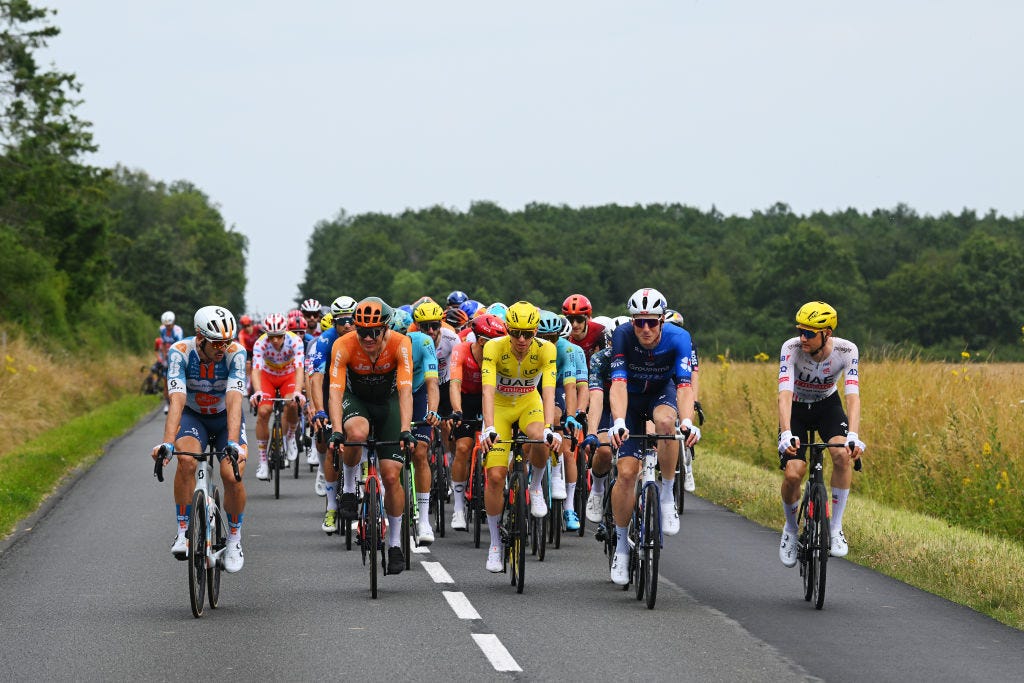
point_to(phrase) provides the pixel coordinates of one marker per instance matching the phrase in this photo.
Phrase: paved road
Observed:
(91, 593)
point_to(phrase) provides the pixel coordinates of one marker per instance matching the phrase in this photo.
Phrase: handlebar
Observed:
(158, 466)
(858, 464)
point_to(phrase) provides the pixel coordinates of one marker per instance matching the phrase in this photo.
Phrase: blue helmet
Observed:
(400, 321)
(457, 298)
(497, 308)
(406, 307)
(470, 306)
(549, 323)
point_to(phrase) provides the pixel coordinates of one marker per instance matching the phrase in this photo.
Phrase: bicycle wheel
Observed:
(300, 450)
(347, 523)
(555, 513)
(542, 533)
(650, 552)
(219, 540)
(476, 501)
(439, 486)
(804, 541)
(275, 456)
(517, 547)
(822, 543)
(372, 525)
(582, 490)
(610, 539)
(635, 535)
(410, 506)
(197, 553)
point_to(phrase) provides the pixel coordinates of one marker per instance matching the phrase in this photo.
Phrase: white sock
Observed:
(570, 493)
(538, 477)
(332, 500)
(839, 497)
(350, 472)
(597, 482)
(666, 490)
(492, 526)
(790, 511)
(423, 502)
(459, 488)
(622, 539)
(556, 470)
(394, 531)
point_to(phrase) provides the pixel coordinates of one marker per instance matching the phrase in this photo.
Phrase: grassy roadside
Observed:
(32, 471)
(980, 571)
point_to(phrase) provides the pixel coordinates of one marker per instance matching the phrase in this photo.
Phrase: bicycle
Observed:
(684, 464)
(440, 475)
(205, 528)
(411, 515)
(582, 485)
(814, 538)
(276, 457)
(476, 513)
(155, 381)
(514, 528)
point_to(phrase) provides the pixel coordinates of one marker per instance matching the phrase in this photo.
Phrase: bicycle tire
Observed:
(518, 545)
(348, 526)
(635, 528)
(219, 541)
(556, 523)
(439, 484)
(582, 490)
(301, 452)
(804, 541)
(197, 553)
(610, 538)
(822, 546)
(542, 534)
(407, 516)
(372, 525)
(476, 500)
(276, 454)
(651, 553)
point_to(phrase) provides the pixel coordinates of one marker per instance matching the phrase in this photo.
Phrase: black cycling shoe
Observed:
(348, 506)
(396, 560)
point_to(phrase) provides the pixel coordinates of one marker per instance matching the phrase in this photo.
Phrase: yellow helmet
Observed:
(428, 311)
(522, 315)
(326, 322)
(816, 315)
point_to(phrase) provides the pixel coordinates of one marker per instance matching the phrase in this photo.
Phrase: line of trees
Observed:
(930, 285)
(92, 255)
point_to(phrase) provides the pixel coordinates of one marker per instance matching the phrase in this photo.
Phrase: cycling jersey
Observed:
(565, 362)
(278, 362)
(592, 341)
(812, 381)
(170, 334)
(601, 370)
(322, 349)
(205, 384)
(646, 371)
(371, 380)
(424, 361)
(512, 377)
(465, 369)
(448, 341)
(580, 356)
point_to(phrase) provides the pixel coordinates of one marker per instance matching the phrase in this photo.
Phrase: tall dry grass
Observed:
(40, 390)
(944, 440)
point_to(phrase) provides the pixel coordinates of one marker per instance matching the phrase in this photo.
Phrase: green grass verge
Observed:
(981, 571)
(35, 469)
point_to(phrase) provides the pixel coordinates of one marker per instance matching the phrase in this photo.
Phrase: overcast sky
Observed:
(285, 113)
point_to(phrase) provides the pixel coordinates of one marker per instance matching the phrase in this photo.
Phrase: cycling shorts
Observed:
(826, 417)
(284, 384)
(385, 422)
(419, 413)
(640, 409)
(472, 404)
(524, 409)
(210, 429)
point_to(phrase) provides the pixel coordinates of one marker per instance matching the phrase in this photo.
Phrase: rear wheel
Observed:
(372, 527)
(476, 500)
(610, 539)
(300, 449)
(197, 553)
(651, 545)
(410, 506)
(219, 540)
(440, 487)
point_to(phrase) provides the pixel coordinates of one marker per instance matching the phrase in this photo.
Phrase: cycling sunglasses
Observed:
(370, 332)
(429, 327)
(347, 320)
(522, 334)
(646, 322)
(808, 334)
(218, 344)
(577, 319)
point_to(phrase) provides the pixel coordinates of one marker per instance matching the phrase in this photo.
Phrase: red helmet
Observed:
(245, 320)
(275, 324)
(488, 325)
(297, 323)
(577, 304)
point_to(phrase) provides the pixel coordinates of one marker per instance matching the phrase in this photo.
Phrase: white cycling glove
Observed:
(851, 437)
(619, 424)
(553, 438)
(687, 424)
(786, 440)
(488, 435)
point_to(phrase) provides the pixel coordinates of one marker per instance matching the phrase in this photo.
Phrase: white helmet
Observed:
(602, 320)
(167, 318)
(216, 323)
(614, 323)
(344, 306)
(275, 324)
(647, 302)
(310, 306)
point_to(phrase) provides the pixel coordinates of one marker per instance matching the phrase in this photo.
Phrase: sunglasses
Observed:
(344, 321)
(217, 344)
(646, 322)
(369, 332)
(808, 334)
(430, 327)
(482, 339)
(522, 334)
(577, 319)
(549, 337)
(311, 315)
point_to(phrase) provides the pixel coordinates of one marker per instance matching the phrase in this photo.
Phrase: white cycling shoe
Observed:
(424, 534)
(320, 485)
(313, 457)
(839, 546)
(787, 548)
(459, 520)
(620, 569)
(595, 507)
(688, 483)
(558, 488)
(669, 519)
(233, 557)
(291, 449)
(494, 560)
(180, 547)
(263, 471)
(538, 506)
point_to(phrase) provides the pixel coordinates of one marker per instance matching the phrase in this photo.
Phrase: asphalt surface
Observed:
(91, 592)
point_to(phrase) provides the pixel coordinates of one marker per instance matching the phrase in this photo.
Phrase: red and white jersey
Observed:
(810, 380)
(280, 363)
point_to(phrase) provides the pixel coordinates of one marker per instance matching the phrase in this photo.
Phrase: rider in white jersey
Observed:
(811, 366)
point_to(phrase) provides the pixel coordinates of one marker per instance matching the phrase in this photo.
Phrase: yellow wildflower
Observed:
(986, 448)
(965, 355)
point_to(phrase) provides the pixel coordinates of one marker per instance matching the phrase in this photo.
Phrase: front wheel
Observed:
(650, 547)
(372, 529)
(410, 507)
(582, 490)
(219, 541)
(822, 544)
(517, 526)
(197, 554)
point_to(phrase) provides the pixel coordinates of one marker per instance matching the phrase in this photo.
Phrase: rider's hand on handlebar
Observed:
(692, 432)
(788, 443)
(255, 399)
(591, 443)
(618, 432)
(553, 438)
(488, 435)
(165, 450)
(433, 418)
(455, 418)
(571, 424)
(855, 445)
(232, 450)
(337, 439)
(408, 440)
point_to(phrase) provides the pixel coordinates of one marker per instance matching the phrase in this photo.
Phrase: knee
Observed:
(495, 477)
(186, 467)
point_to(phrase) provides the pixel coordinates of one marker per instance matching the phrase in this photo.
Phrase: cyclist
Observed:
(247, 336)
(811, 365)
(424, 407)
(169, 334)
(456, 299)
(428, 318)
(342, 310)
(371, 379)
(311, 313)
(206, 381)
(467, 401)
(277, 364)
(650, 380)
(517, 373)
(676, 318)
(598, 423)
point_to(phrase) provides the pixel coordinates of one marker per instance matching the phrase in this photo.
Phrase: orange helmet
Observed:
(372, 312)
(577, 304)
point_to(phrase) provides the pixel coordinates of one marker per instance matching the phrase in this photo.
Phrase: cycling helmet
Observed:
(406, 307)
(457, 298)
(816, 315)
(310, 306)
(427, 311)
(167, 318)
(343, 306)
(422, 300)
(499, 309)
(674, 317)
(456, 317)
(566, 327)
(471, 307)
(327, 322)
(215, 323)
(490, 326)
(646, 302)
(400, 321)
(275, 324)
(577, 304)
(602, 320)
(522, 315)
(620, 320)
(549, 323)
(245, 320)
(372, 312)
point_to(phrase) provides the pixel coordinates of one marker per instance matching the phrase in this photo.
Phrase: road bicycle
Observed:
(582, 485)
(814, 537)
(411, 515)
(206, 530)
(440, 475)
(156, 379)
(276, 456)
(605, 532)
(514, 526)
(476, 514)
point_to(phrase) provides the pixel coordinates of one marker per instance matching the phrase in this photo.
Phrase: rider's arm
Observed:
(433, 394)
(338, 366)
(403, 380)
(596, 410)
(233, 400)
(853, 412)
(488, 379)
(549, 378)
(785, 410)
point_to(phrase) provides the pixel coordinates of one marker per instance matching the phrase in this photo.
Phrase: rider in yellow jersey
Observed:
(518, 377)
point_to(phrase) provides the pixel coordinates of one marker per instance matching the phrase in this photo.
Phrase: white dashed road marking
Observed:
(496, 654)
(437, 572)
(461, 605)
